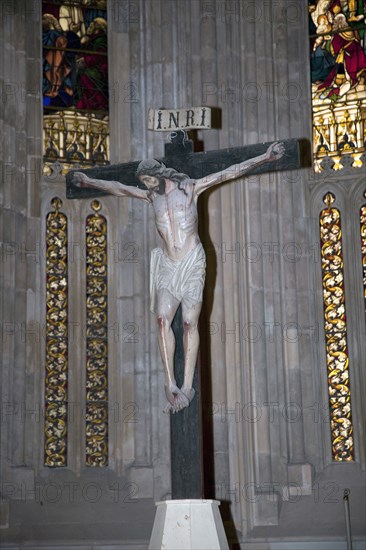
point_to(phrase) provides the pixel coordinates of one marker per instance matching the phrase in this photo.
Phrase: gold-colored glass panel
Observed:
(55, 446)
(75, 139)
(96, 339)
(335, 326)
(363, 247)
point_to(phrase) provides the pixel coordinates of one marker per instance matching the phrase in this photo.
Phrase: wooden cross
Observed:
(187, 454)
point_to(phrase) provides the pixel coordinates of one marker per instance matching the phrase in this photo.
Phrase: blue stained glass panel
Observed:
(75, 81)
(75, 62)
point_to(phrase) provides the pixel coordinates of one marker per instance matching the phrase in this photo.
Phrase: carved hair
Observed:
(158, 170)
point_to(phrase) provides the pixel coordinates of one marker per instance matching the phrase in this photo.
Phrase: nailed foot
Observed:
(188, 392)
(177, 400)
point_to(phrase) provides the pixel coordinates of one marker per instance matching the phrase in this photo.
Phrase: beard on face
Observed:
(160, 189)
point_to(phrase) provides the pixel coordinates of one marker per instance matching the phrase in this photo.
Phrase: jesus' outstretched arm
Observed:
(274, 152)
(112, 187)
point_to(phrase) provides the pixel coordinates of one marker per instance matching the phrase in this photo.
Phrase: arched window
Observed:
(76, 133)
(56, 376)
(338, 209)
(96, 410)
(338, 80)
(335, 329)
(363, 245)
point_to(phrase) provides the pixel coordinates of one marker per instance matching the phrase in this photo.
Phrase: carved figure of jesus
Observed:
(177, 271)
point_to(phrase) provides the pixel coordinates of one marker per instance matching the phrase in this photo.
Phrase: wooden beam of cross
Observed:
(180, 156)
(186, 426)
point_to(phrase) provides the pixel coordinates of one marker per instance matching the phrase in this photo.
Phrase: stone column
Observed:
(20, 174)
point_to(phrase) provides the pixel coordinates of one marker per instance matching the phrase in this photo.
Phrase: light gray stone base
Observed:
(189, 524)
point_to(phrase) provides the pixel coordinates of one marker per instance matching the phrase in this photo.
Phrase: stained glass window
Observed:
(75, 82)
(363, 246)
(56, 377)
(335, 328)
(338, 77)
(96, 339)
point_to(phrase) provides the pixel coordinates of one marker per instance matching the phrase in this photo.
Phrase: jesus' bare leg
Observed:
(167, 307)
(191, 345)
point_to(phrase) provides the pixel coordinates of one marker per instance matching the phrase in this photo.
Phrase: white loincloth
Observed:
(184, 279)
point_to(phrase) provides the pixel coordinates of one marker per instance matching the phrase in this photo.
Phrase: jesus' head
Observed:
(153, 174)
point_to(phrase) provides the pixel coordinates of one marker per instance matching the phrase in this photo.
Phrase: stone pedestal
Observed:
(188, 525)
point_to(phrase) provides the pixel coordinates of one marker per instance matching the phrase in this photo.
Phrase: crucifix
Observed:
(172, 185)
